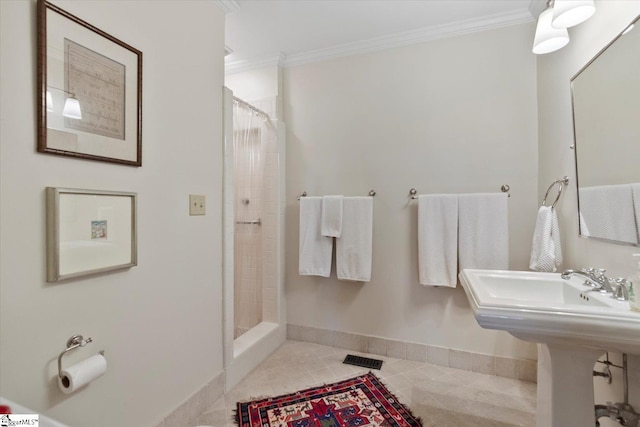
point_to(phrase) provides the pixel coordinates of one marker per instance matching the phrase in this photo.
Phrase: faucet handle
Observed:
(566, 274)
(621, 293)
(595, 272)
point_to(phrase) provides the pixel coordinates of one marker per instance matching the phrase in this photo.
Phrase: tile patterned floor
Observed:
(443, 397)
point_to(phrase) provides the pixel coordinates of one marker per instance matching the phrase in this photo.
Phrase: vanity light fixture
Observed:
(547, 38)
(568, 13)
(71, 107)
(551, 31)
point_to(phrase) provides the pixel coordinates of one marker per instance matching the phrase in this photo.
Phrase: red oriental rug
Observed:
(359, 401)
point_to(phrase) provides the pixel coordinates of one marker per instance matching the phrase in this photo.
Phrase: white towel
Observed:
(331, 216)
(483, 231)
(315, 250)
(635, 190)
(354, 248)
(438, 239)
(607, 212)
(546, 252)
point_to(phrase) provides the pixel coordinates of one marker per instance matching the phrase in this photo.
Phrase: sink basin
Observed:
(573, 325)
(544, 308)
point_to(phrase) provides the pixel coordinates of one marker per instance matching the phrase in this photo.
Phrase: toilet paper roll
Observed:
(82, 373)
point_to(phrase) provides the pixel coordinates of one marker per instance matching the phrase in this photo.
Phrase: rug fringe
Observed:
(418, 419)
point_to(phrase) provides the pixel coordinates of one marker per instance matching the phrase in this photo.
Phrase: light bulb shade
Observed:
(567, 13)
(49, 102)
(547, 38)
(72, 108)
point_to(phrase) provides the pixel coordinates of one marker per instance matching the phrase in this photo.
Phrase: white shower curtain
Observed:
(248, 173)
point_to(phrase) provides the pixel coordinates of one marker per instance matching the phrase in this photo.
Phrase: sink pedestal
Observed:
(565, 386)
(573, 325)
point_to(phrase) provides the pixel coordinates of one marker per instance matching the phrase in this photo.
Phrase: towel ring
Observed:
(560, 183)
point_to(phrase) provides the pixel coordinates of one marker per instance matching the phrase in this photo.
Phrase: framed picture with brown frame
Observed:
(89, 90)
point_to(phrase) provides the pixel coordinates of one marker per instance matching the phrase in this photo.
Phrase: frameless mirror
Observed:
(606, 120)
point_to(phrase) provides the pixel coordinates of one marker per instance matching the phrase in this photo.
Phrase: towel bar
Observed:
(372, 193)
(561, 183)
(413, 193)
(254, 222)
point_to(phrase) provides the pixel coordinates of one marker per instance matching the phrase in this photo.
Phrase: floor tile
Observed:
(441, 396)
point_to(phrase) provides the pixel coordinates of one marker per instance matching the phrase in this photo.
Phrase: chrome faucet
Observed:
(621, 292)
(595, 278)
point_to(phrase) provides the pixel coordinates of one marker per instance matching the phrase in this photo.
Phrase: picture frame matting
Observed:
(90, 90)
(89, 232)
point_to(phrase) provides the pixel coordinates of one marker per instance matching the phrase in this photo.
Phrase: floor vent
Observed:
(365, 362)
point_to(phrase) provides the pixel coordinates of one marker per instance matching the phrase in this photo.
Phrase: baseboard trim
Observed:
(520, 369)
(188, 412)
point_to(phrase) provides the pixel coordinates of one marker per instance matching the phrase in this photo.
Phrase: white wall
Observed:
(557, 160)
(453, 115)
(261, 87)
(160, 322)
(254, 84)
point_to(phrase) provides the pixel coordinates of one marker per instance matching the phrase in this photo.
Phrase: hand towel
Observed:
(438, 239)
(483, 231)
(331, 216)
(607, 212)
(635, 190)
(546, 252)
(354, 248)
(314, 250)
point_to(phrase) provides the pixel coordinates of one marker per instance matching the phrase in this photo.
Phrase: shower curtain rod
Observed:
(251, 107)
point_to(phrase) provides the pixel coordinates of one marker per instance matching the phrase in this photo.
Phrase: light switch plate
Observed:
(197, 204)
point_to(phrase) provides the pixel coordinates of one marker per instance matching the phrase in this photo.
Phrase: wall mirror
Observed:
(606, 120)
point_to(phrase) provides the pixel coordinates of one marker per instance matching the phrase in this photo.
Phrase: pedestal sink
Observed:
(573, 324)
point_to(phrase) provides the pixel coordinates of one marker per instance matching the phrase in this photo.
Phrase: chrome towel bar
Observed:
(413, 193)
(372, 193)
(254, 222)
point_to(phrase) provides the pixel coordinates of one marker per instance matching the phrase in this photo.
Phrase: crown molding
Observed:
(410, 37)
(386, 42)
(254, 64)
(228, 6)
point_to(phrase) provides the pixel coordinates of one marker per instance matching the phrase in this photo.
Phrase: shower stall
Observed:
(248, 173)
(253, 223)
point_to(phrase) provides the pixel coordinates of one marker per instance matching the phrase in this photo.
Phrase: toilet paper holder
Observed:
(73, 342)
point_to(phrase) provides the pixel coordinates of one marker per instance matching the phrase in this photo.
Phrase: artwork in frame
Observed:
(89, 232)
(90, 90)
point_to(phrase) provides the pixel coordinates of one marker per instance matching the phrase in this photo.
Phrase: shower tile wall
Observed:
(256, 247)
(248, 237)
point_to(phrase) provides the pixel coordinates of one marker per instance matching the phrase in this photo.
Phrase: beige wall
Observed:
(254, 84)
(160, 322)
(453, 115)
(557, 160)
(261, 87)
